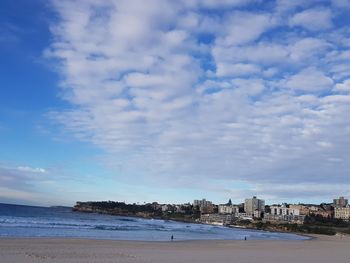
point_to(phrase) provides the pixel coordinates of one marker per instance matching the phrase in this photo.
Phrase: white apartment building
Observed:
(228, 209)
(342, 213)
(217, 219)
(284, 210)
(284, 214)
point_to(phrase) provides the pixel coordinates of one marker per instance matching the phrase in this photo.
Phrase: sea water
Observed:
(29, 221)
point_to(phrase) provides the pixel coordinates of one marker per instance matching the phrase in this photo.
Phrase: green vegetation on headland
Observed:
(313, 224)
(152, 210)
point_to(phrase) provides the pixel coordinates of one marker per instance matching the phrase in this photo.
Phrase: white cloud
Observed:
(252, 86)
(340, 71)
(312, 19)
(344, 86)
(284, 7)
(307, 48)
(15, 194)
(31, 169)
(142, 85)
(324, 144)
(213, 4)
(225, 69)
(21, 184)
(310, 79)
(341, 3)
(261, 53)
(294, 193)
(295, 52)
(244, 27)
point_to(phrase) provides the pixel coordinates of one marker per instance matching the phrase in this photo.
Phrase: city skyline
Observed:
(174, 101)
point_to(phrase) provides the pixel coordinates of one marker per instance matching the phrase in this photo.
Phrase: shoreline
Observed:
(272, 228)
(198, 223)
(58, 250)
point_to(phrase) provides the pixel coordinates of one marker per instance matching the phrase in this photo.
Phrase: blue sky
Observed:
(174, 100)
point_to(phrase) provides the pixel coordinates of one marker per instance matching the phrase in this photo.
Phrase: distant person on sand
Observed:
(172, 238)
(245, 238)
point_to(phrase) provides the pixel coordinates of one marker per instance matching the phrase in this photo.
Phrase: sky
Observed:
(172, 101)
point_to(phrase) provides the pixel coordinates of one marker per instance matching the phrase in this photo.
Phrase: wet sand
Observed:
(321, 249)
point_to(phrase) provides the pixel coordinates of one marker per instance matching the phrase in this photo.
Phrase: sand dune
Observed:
(322, 249)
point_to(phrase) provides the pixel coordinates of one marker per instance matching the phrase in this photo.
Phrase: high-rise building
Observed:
(340, 202)
(254, 204)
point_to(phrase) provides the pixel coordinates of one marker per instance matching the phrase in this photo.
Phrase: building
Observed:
(228, 209)
(324, 210)
(284, 219)
(258, 214)
(340, 202)
(205, 207)
(179, 209)
(244, 216)
(313, 208)
(342, 213)
(217, 219)
(283, 210)
(200, 203)
(303, 209)
(254, 204)
(324, 213)
(165, 208)
(284, 214)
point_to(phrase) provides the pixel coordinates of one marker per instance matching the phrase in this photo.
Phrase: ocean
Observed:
(61, 222)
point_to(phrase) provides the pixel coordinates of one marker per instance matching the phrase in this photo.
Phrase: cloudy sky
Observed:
(174, 100)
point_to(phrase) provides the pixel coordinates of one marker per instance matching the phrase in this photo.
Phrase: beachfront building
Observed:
(257, 214)
(244, 216)
(284, 214)
(283, 210)
(284, 219)
(340, 202)
(342, 213)
(205, 207)
(254, 204)
(303, 209)
(217, 219)
(228, 209)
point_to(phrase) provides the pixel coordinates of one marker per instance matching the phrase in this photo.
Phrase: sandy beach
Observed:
(318, 250)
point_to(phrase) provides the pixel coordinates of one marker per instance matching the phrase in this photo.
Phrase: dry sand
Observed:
(322, 249)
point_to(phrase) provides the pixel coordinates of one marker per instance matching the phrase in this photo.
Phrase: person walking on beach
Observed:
(172, 238)
(245, 238)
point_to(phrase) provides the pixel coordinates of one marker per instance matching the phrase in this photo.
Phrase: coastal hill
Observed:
(185, 212)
